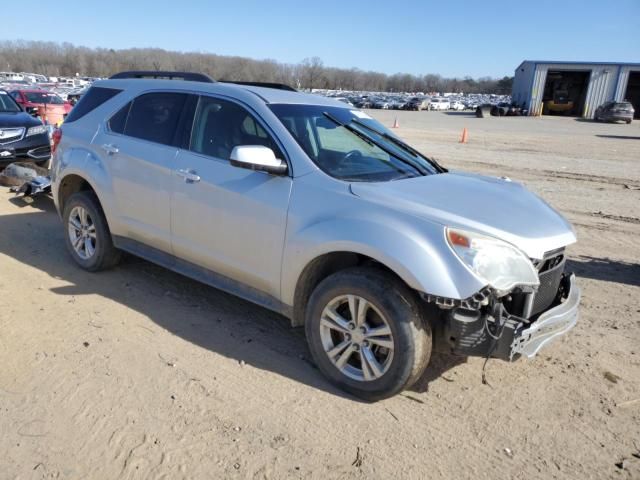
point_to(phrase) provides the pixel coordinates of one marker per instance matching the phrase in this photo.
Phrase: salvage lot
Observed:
(141, 373)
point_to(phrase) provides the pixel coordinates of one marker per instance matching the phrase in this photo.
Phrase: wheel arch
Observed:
(70, 184)
(73, 182)
(322, 267)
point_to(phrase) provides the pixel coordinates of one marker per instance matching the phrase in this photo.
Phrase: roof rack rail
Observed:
(278, 86)
(164, 75)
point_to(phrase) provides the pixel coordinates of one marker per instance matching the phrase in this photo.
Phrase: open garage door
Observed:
(633, 92)
(565, 92)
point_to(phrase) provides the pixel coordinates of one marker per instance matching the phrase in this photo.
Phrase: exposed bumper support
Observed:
(549, 326)
(492, 331)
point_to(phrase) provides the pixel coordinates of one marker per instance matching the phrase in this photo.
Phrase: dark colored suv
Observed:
(615, 111)
(22, 137)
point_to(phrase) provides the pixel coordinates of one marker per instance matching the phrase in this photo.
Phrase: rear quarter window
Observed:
(92, 99)
(118, 122)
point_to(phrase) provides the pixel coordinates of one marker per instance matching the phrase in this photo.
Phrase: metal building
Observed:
(574, 88)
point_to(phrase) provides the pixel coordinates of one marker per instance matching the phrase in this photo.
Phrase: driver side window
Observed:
(220, 126)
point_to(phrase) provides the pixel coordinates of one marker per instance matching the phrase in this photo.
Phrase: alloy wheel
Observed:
(357, 338)
(82, 233)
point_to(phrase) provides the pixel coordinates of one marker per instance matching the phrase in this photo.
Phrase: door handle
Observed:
(110, 148)
(189, 176)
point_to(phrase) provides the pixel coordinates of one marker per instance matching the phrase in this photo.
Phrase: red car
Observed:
(48, 105)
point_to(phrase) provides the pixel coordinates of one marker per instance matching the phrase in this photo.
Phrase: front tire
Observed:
(87, 234)
(366, 333)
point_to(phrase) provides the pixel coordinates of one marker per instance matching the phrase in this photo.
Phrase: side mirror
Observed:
(257, 157)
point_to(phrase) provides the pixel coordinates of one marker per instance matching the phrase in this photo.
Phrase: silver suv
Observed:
(313, 209)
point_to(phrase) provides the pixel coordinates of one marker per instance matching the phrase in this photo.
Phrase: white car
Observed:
(457, 105)
(439, 104)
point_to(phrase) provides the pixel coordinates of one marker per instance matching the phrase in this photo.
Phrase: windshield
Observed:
(43, 97)
(350, 145)
(8, 104)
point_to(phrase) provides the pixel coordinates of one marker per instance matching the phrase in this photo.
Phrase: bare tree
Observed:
(65, 59)
(311, 71)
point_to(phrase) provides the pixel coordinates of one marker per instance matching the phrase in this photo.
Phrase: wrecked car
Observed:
(18, 174)
(313, 209)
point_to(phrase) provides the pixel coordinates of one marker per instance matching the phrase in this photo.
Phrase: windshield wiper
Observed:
(399, 143)
(360, 135)
(372, 142)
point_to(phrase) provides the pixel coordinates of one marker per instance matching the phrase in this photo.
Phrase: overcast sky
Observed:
(476, 38)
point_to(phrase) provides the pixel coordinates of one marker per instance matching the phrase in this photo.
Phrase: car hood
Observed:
(17, 119)
(489, 205)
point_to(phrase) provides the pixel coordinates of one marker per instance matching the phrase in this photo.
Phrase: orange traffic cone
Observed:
(395, 123)
(463, 139)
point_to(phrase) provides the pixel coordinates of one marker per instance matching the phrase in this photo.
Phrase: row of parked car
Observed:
(51, 102)
(29, 113)
(416, 102)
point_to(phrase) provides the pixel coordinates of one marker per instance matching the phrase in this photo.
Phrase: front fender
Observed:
(415, 250)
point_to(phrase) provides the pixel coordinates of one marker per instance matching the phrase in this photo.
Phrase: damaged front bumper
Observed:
(550, 325)
(491, 331)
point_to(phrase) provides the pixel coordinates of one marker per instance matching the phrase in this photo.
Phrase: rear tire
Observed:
(87, 234)
(381, 351)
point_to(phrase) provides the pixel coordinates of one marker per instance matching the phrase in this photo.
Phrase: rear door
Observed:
(224, 218)
(140, 146)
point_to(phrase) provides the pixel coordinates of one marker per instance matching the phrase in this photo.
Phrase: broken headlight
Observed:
(498, 263)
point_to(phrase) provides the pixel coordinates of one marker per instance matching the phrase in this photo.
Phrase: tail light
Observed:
(56, 136)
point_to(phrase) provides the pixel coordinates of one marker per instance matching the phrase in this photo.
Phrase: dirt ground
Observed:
(141, 373)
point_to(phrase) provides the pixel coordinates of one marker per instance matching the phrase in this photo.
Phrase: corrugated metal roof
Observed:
(561, 62)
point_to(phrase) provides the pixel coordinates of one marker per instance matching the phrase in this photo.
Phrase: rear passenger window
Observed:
(119, 120)
(154, 117)
(220, 126)
(92, 99)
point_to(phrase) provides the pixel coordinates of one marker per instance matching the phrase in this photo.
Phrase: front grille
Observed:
(9, 135)
(549, 283)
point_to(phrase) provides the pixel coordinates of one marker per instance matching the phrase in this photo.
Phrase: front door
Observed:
(224, 218)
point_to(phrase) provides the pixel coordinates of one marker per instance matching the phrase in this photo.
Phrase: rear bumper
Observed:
(615, 117)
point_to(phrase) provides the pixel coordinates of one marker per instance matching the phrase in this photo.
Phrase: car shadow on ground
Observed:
(40, 202)
(202, 315)
(605, 269)
(439, 365)
(619, 137)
